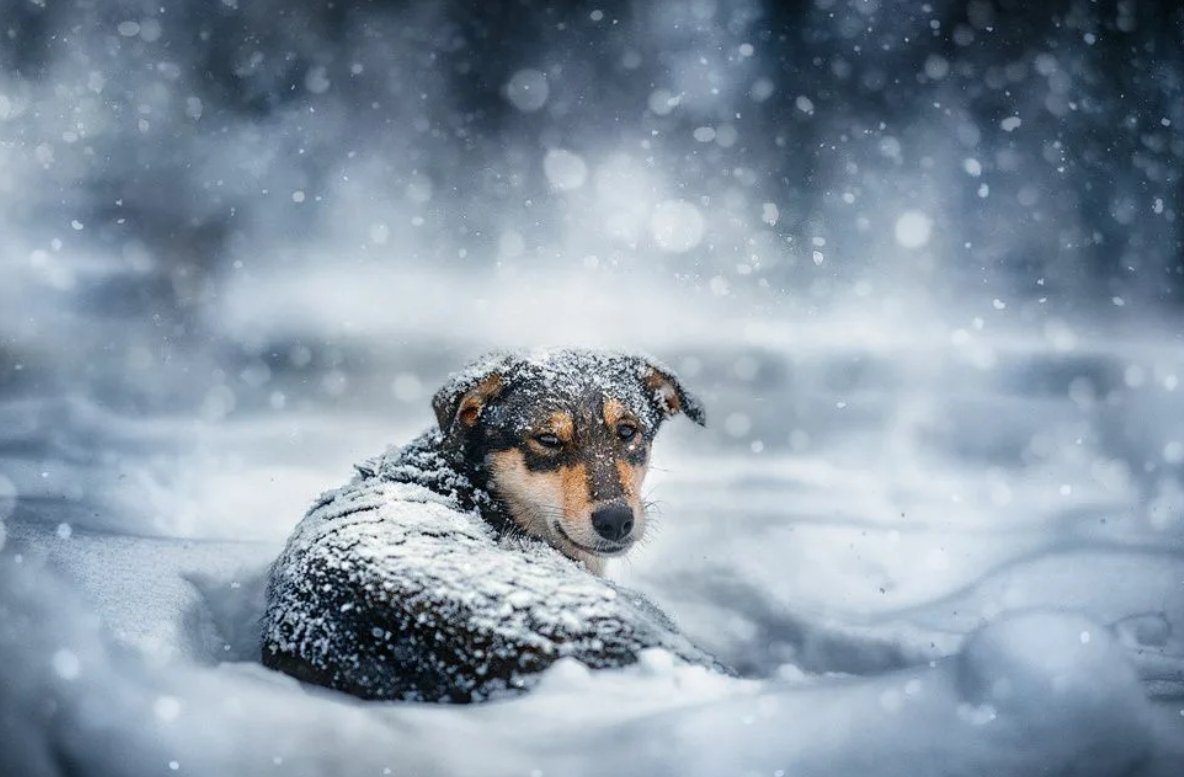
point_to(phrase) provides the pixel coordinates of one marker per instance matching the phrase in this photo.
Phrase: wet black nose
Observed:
(613, 522)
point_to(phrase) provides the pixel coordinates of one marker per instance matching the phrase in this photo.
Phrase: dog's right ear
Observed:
(458, 404)
(668, 395)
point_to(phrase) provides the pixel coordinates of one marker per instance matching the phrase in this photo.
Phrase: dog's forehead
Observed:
(576, 382)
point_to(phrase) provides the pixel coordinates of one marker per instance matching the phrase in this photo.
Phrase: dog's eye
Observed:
(548, 440)
(626, 431)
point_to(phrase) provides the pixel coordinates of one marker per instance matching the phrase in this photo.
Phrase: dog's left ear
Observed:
(668, 394)
(458, 404)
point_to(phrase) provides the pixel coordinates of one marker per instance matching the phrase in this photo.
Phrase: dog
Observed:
(433, 575)
(553, 445)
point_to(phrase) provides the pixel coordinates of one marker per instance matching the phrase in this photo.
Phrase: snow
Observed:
(527, 89)
(677, 225)
(7, 498)
(242, 244)
(762, 89)
(662, 101)
(770, 213)
(913, 229)
(251, 720)
(565, 171)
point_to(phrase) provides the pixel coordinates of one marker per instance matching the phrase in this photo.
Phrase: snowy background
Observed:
(922, 261)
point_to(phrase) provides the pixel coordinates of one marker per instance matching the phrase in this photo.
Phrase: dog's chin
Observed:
(599, 549)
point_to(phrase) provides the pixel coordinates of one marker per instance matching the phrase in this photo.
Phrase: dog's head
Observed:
(564, 438)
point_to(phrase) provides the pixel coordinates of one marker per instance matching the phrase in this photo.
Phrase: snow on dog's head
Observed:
(564, 438)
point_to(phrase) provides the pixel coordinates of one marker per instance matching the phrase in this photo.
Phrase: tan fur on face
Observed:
(530, 498)
(537, 500)
(614, 411)
(577, 502)
(631, 476)
(559, 424)
(562, 426)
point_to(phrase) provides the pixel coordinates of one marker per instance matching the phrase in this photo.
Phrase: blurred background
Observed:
(923, 261)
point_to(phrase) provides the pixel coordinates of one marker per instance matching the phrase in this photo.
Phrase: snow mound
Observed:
(1040, 663)
(1062, 679)
(1025, 697)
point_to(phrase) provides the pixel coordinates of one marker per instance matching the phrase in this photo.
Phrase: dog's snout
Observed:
(613, 522)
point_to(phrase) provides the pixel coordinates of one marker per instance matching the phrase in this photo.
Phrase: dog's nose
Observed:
(613, 522)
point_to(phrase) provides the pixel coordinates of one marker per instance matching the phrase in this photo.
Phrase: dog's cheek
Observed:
(527, 494)
(632, 476)
(577, 500)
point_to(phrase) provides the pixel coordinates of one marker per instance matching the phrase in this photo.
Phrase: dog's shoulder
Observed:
(426, 462)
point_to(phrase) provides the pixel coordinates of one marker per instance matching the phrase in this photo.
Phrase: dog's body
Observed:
(429, 577)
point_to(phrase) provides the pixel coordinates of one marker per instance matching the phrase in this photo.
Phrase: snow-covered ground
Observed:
(835, 534)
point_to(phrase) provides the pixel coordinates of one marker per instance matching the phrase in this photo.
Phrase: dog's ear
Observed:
(460, 401)
(668, 394)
